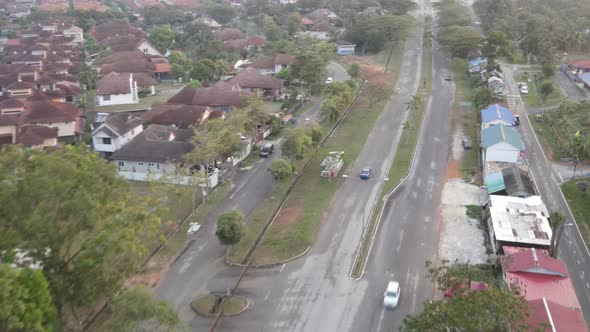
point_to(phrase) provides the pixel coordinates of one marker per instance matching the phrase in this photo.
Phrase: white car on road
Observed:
(329, 80)
(391, 295)
(523, 88)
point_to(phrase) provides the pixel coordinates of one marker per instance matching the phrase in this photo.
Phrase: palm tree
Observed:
(330, 109)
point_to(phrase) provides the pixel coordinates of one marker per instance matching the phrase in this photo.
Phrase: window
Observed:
(150, 165)
(106, 97)
(145, 50)
(139, 164)
(158, 166)
(132, 132)
(106, 140)
(121, 163)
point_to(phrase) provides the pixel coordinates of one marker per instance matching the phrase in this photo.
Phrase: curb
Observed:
(248, 305)
(269, 265)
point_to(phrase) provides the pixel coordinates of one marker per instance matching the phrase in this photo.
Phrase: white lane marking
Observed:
(587, 285)
(415, 194)
(577, 260)
(582, 274)
(267, 295)
(381, 319)
(560, 177)
(282, 268)
(419, 182)
(427, 219)
(432, 165)
(401, 238)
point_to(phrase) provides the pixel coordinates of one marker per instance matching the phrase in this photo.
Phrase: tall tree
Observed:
(293, 23)
(331, 108)
(482, 97)
(216, 140)
(137, 309)
(399, 7)
(377, 93)
(354, 71)
(280, 168)
(71, 213)
(163, 37)
(496, 45)
(25, 301)
(220, 13)
(230, 228)
(296, 141)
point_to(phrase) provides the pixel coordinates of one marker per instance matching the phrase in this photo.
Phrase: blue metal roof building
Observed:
(496, 114)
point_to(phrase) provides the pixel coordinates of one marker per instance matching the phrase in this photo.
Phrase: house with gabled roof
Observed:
(111, 131)
(496, 114)
(179, 116)
(273, 64)
(501, 143)
(222, 95)
(252, 81)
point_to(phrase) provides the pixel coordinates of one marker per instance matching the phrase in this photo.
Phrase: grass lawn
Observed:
(470, 126)
(533, 98)
(176, 201)
(579, 203)
(545, 136)
(271, 107)
(396, 57)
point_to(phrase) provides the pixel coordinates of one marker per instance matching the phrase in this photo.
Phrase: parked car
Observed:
(267, 149)
(329, 80)
(193, 228)
(391, 295)
(516, 120)
(466, 143)
(365, 173)
(523, 88)
(448, 78)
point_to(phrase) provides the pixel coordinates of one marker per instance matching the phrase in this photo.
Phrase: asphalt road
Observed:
(315, 293)
(200, 268)
(572, 249)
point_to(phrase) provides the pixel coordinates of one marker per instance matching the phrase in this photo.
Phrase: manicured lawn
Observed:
(579, 203)
(272, 107)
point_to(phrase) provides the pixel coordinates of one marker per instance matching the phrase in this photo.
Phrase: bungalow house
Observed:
(501, 143)
(272, 65)
(76, 33)
(223, 96)
(320, 31)
(496, 84)
(179, 116)
(517, 222)
(122, 88)
(306, 22)
(20, 89)
(496, 114)
(37, 136)
(322, 14)
(252, 81)
(115, 28)
(345, 47)
(509, 181)
(111, 131)
(158, 153)
(208, 22)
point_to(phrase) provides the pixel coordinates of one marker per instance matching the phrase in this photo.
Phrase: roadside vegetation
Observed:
(577, 194)
(542, 90)
(565, 131)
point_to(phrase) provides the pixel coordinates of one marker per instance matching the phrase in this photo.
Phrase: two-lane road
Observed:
(315, 293)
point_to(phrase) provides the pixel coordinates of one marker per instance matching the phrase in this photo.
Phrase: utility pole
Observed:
(388, 57)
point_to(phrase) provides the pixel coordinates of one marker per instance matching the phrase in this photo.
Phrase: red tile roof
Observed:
(547, 315)
(13, 42)
(306, 21)
(255, 41)
(163, 68)
(35, 135)
(251, 78)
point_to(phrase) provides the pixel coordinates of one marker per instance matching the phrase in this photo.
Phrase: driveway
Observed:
(200, 267)
(315, 292)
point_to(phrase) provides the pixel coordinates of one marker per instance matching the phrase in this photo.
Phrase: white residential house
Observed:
(111, 131)
(147, 48)
(320, 31)
(157, 153)
(116, 89)
(75, 32)
(345, 47)
(501, 143)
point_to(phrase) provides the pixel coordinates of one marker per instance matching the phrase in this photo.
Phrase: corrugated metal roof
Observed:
(544, 313)
(495, 183)
(497, 112)
(501, 133)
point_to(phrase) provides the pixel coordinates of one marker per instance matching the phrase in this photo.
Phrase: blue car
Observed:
(365, 173)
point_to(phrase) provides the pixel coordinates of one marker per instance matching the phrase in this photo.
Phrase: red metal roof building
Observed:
(545, 315)
(538, 276)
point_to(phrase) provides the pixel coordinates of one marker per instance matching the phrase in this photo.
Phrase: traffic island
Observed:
(210, 305)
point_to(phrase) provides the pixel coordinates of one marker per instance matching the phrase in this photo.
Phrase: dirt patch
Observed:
(151, 273)
(287, 217)
(453, 170)
(457, 144)
(371, 71)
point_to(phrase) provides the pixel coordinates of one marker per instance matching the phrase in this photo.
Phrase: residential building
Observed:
(252, 81)
(496, 114)
(496, 84)
(222, 95)
(508, 179)
(477, 65)
(76, 33)
(322, 14)
(180, 116)
(111, 131)
(123, 88)
(501, 143)
(320, 30)
(547, 315)
(273, 64)
(515, 221)
(208, 22)
(158, 153)
(345, 47)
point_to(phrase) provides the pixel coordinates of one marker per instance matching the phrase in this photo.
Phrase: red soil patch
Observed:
(154, 270)
(453, 170)
(287, 217)
(371, 71)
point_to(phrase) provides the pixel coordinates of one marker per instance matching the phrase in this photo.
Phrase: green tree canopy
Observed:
(296, 141)
(137, 309)
(372, 32)
(482, 97)
(25, 301)
(230, 228)
(546, 89)
(459, 40)
(493, 309)
(163, 37)
(354, 70)
(220, 13)
(280, 168)
(71, 213)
